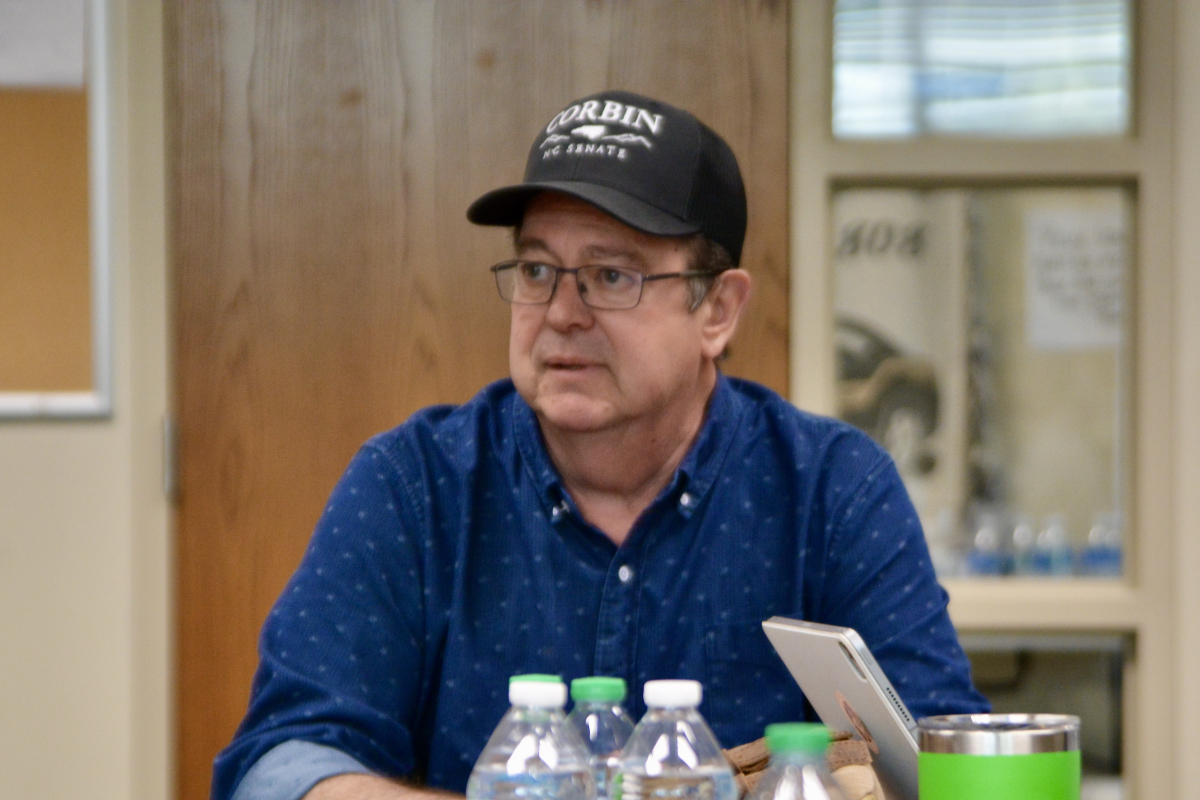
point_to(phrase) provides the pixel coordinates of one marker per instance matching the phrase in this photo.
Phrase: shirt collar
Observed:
(706, 458)
(536, 460)
(692, 480)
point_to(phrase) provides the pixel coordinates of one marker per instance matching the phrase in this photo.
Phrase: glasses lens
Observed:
(532, 283)
(610, 287)
(525, 282)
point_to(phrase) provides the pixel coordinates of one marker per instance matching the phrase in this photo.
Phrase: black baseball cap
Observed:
(650, 165)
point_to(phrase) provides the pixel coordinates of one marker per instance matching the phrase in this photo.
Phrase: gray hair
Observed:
(710, 258)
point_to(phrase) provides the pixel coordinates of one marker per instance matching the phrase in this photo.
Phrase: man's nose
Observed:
(566, 306)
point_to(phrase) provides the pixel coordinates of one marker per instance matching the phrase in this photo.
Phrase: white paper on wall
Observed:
(1074, 277)
(41, 43)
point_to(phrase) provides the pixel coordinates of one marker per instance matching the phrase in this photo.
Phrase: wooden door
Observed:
(327, 283)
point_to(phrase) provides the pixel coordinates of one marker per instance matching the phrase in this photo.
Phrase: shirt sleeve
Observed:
(341, 654)
(879, 580)
(290, 769)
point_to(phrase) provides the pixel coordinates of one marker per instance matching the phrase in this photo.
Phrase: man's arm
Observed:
(341, 670)
(372, 787)
(880, 581)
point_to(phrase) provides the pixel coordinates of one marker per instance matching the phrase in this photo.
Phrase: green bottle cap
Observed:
(598, 689)
(797, 737)
(534, 677)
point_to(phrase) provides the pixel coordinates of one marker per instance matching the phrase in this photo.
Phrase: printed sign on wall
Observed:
(900, 334)
(1073, 278)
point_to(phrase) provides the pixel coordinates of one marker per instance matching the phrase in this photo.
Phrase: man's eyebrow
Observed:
(631, 256)
(524, 244)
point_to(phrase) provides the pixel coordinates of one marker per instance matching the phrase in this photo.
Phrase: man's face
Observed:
(584, 369)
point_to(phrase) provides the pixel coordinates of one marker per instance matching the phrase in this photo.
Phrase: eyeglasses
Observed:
(532, 283)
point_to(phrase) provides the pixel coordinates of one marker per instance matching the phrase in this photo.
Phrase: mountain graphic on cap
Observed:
(650, 165)
(592, 132)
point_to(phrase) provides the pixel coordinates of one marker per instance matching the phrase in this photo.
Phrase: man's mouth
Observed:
(568, 364)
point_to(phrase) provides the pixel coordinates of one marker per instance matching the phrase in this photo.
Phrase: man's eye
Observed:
(535, 272)
(611, 278)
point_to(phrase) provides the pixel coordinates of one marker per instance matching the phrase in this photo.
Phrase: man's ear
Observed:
(722, 309)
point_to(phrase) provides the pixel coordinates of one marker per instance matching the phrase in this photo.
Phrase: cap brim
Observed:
(506, 206)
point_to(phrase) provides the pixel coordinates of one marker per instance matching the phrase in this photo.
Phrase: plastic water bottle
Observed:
(1053, 554)
(1024, 540)
(797, 768)
(603, 724)
(988, 555)
(672, 754)
(533, 754)
(1102, 555)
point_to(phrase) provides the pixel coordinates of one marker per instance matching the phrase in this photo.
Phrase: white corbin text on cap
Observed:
(612, 112)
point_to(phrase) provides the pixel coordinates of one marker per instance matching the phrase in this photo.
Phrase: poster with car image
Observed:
(900, 333)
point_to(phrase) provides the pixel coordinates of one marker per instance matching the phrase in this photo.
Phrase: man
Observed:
(617, 508)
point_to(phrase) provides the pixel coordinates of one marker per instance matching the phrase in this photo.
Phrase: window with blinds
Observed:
(998, 68)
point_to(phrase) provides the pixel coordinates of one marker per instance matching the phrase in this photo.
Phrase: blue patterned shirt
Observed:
(450, 557)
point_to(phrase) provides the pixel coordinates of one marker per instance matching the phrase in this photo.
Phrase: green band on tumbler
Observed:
(1037, 776)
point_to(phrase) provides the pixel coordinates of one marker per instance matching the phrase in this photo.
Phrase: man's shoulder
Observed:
(776, 435)
(769, 413)
(457, 432)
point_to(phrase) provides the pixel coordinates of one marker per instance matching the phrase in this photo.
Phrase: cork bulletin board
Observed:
(55, 348)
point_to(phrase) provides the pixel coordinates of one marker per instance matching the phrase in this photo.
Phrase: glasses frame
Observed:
(513, 263)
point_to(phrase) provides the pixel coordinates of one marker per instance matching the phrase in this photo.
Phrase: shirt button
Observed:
(685, 500)
(625, 573)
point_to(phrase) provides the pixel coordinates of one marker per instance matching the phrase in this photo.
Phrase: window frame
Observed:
(1140, 604)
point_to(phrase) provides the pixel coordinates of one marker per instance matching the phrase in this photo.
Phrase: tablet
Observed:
(848, 690)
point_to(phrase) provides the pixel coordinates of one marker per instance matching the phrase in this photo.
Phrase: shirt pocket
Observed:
(748, 685)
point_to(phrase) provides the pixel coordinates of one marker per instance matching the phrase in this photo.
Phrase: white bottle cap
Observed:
(672, 694)
(537, 694)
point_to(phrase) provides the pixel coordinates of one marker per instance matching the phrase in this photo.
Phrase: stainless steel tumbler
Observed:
(999, 757)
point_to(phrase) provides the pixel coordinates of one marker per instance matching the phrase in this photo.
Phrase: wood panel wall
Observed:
(327, 282)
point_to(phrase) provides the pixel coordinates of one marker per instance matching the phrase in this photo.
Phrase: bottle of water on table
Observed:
(603, 724)
(797, 769)
(672, 754)
(533, 754)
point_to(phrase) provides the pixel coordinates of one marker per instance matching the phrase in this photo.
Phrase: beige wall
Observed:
(84, 528)
(1185, 687)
